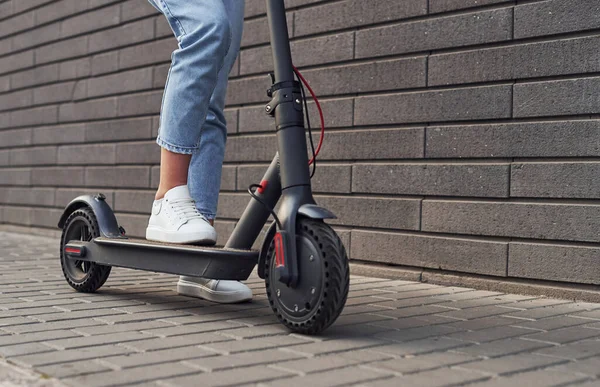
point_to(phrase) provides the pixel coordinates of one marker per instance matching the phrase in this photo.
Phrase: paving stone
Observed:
(481, 323)
(177, 341)
(221, 326)
(66, 370)
(408, 365)
(565, 335)
(418, 347)
(589, 367)
(578, 350)
(548, 324)
(246, 359)
(490, 334)
(121, 317)
(502, 347)
(416, 333)
(333, 347)
(512, 364)
(549, 311)
(156, 357)
(435, 378)
(542, 378)
(133, 375)
(103, 329)
(337, 377)
(70, 355)
(24, 349)
(35, 337)
(90, 341)
(478, 312)
(229, 377)
(235, 346)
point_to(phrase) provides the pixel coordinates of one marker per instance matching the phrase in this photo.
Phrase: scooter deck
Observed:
(189, 260)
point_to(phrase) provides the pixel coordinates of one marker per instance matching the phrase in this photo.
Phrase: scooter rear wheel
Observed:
(324, 278)
(83, 276)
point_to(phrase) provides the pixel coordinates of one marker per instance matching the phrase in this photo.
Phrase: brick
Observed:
(337, 114)
(554, 17)
(147, 152)
(133, 10)
(419, 347)
(436, 378)
(62, 50)
(36, 37)
(21, 176)
(436, 6)
(59, 92)
(133, 201)
(31, 196)
(67, 356)
(422, 363)
(565, 335)
(554, 262)
(550, 323)
(320, 50)
(94, 109)
(536, 139)
(426, 106)
(57, 176)
(158, 357)
(24, 349)
(17, 215)
(328, 178)
(76, 68)
(453, 31)
(19, 137)
(54, 12)
(556, 98)
(17, 23)
(138, 375)
(123, 35)
(34, 337)
(73, 369)
(121, 177)
(245, 359)
(6, 9)
(121, 82)
(255, 148)
(162, 28)
(137, 104)
(231, 377)
(503, 347)
(33, 156)
(176, 341)
(59, 134)
(257, 31)
(38, 75)
(479, 180)
(148, 53)
(524, 220)
(105, 63)
(35, 116)
(15, 100)
(92, 341)
(577, 350)
(385, 213)
(134, 224)
(137, 128)
(511, 364)
(350, 13)
(558, 57)
(89, 21)
(339, 377)
(538, 378)
(18, 61)
(86, 154)
(434, 252)
(490, 334)
(575, 180)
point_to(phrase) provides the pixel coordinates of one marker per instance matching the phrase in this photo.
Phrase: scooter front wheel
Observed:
(323, 283)
(83, 276)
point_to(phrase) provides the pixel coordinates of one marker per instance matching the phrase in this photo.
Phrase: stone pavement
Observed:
(138, 331)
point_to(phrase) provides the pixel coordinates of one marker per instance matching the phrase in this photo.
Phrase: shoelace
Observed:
(186, 209)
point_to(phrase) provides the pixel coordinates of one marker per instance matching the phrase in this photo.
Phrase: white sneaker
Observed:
(175, 219)
(225, 292)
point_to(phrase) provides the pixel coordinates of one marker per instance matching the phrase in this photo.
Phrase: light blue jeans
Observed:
(209, 33)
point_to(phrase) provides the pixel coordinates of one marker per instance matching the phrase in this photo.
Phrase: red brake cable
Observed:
(312, 93)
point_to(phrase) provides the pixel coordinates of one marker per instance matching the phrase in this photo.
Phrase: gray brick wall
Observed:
(463, 135)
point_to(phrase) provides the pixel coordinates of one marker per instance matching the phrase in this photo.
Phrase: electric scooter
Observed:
(302, 259)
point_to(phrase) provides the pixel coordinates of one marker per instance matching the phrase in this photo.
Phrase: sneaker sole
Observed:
(162, 235)
(191, 289)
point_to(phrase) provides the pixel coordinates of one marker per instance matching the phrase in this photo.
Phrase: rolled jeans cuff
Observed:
(176, 148)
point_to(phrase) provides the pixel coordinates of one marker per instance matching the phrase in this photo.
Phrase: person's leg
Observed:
(205, 168)
(204, 177)
(203, 31)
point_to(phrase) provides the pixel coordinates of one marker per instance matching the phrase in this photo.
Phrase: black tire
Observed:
(85, 277)
(329, 278)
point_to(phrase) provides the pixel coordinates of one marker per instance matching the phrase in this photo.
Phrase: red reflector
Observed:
(279, 251)
(72, 250)
(263, 186)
